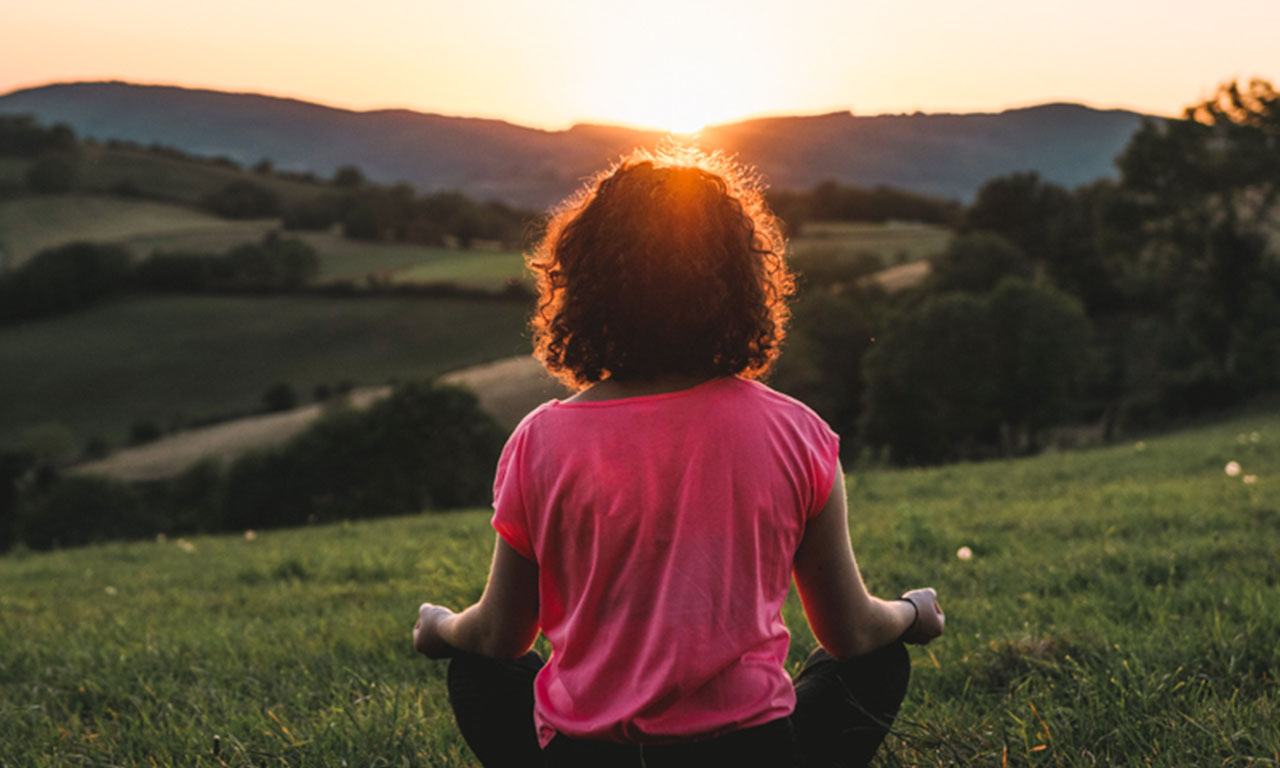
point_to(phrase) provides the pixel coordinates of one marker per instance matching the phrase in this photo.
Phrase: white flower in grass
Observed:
(1250, 479)
(186, 546)
(110, 590)
(249, 535)
(964, 553)
(1254, 437)
(1140, 446)
(1232, 469)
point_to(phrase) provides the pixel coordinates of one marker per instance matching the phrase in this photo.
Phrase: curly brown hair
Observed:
(667, 263)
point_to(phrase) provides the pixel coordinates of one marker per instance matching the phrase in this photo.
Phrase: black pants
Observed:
(844, 708)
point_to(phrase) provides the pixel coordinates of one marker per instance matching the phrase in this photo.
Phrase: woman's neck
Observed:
(616, 390)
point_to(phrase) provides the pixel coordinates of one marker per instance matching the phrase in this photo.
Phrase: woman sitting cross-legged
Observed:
(651, 524)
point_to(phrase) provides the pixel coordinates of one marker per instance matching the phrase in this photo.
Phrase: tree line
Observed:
(423, 447)
(1127, 303)
(348, 200)
(75, 275)
(832, 201)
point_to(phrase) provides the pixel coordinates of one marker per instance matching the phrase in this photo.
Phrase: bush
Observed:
(80, 509)
(242, 199)
(275, 263)
(423, 447)
(279, 397)
(63, 278)
(965, 376)
(930, 389)
(21, 135)
(53, 173)
(144, 431)
(315, 213)
(975, 263)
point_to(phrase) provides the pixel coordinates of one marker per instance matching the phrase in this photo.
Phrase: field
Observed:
(172, 178)
(1120, 608)
(30, 224)
(175, 358)
(507, 389)
(894, 243)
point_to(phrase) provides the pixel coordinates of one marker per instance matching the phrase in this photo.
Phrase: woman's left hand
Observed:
(426, 633)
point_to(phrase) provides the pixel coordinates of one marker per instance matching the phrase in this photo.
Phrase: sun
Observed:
(678, 69)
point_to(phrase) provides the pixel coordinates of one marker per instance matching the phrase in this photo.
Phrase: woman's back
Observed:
(651, 537)
(665, 528)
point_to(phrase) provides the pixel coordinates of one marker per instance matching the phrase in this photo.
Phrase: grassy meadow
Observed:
(893, 243)
(1120, 608)
(184, 180)
(30, 224)
(173, 358)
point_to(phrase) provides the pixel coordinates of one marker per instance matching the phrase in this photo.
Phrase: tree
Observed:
(1206, 190)
(279, 397)
(963, 376)
(348, 177)
(826, 345)
(929, 383)
(976, 262)
(243, 199)
(1022, 208)
(1042, 344)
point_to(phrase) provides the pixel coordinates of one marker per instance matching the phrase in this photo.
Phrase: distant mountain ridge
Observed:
(950, 155)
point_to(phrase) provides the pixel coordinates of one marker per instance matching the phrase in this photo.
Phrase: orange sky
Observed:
(673, 64)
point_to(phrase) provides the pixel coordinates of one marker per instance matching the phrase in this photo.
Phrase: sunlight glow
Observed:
(679, 67)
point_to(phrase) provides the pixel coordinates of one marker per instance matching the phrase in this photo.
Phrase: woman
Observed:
(650, 524)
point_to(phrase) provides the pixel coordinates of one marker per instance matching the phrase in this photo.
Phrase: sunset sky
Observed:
(674, 64)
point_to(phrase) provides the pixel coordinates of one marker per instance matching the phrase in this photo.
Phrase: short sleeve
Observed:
(824, 458)
(510, 518)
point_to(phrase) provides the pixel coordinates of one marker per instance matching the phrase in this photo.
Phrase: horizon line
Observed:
(585, 121)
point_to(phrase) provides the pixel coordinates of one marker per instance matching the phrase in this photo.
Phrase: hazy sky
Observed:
(664, 63)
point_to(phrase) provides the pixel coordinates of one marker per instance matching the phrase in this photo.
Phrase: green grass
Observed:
(173, 358)
(485, 269)
(1121, 608)
(893, 243)
(29, 224)
(170, 178)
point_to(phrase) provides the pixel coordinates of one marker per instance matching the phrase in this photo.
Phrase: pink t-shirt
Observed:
(664, 527)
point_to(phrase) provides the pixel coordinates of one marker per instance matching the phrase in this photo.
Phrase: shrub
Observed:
(930, 389)
(964, 376)
(279, 397)
(79, 509)
(144, 431)
(243, 199)
(423, 447)
(315, 213)
(53, 173)
(976, 263)
(63, 278)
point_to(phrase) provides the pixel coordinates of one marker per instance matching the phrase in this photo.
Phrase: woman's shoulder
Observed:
(780, 401)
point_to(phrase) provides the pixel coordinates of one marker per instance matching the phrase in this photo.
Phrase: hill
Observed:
(178, 360)
(1114, 598)
(941, 154)
(507, 389)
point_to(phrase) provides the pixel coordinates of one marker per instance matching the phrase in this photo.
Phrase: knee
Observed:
(889, 667)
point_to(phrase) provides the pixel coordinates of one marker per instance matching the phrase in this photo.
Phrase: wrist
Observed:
(906, 636)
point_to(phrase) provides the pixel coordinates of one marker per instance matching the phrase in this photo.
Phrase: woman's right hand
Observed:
(930, 618)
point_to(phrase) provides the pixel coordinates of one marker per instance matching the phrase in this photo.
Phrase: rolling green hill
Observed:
(172, 359)
(1120, 608)
(30, 224)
